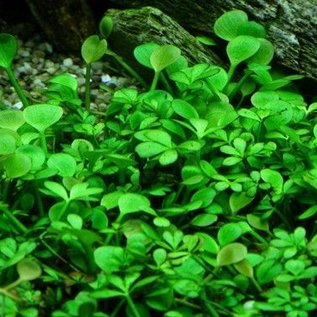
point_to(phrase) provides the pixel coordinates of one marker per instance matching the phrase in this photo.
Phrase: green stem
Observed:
(256, 284)
(39, 200)
(8, 294)
(239, 84)
(230, 74)
(18, 225)
(258, 237)
(166, 84)
(87, 86)
(155, 80)
(117, 308)
(17, 87)
(13, 284)
(128, 68)
(132, 306)
(43, 141)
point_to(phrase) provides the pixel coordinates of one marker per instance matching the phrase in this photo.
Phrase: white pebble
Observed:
(67, 62)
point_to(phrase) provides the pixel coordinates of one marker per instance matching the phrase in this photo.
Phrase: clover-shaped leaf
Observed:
(11, 119)
(164, 56)
(42, 116)
(93, 49)
(143, 52)
(227, 26)
(241, 48)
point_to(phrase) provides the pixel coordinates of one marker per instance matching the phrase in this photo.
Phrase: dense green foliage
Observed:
(193, 196)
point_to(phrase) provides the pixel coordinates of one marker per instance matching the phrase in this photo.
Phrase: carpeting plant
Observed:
(195, 197)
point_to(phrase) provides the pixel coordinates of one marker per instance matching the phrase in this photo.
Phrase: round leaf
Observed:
(244, 268)
(28, 270)
(241, 48)
(168, 157)
(227, 26)
(265, 53)
(231, 253)
(35, 154)
(42, 116)
(8, 49)
(11, 119)
(164, 56)
(64, 163)
(7, 143)
(251, 28)
(17, 165)
(93, 49)
(237, 201)
(143, 52)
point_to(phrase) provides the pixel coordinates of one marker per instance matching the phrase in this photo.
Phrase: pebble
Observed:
(36, 62)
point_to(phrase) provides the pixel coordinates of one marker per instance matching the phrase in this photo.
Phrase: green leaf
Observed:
(204, 220)
(168, 157)
(274, 178)
(296, 267)
(257, 222)
(110, 200)
(105, 26)
(143, 53)
(227, 25)
(131, 202)
(35, 154)
(64, 163)
(109, 258)
(93, 49)
(184, 109)
(206, 40)
(17, 165)
(229, 233)
(7, 143)
(164, 56)
(42, 116)
(237, 201)
(65, 80)
(310, 212)
(11, 119)
(157, 136)
(28, 270)
(267, 271)
(241, 48)
(244, 268)
(75, 221)
(264, 55)
(231, 253)
(148, 149)
(8, 49)
(56, 189)
(251, 28)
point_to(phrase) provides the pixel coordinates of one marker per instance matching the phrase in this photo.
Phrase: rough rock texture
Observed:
(136, 26)
(66, 22)
(291, 25)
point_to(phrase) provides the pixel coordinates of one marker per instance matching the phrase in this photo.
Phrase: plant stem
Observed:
(43, 141)
(128, 68)
(38, 199)
(117, 308)
(87, 87)
(239, 84)
(8, 294)
(18, 225)
(230, 73)
(256, 284)
(17, 87)
(132, 306)
(155, 80)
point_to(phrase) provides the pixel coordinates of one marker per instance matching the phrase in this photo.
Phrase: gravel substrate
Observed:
(36, 62)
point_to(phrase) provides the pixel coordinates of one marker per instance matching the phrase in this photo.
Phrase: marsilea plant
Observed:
(193, 195)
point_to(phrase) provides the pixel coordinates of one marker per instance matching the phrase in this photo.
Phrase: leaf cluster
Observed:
(191, 196)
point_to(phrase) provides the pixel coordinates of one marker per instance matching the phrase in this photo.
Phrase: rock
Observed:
(291, 25)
